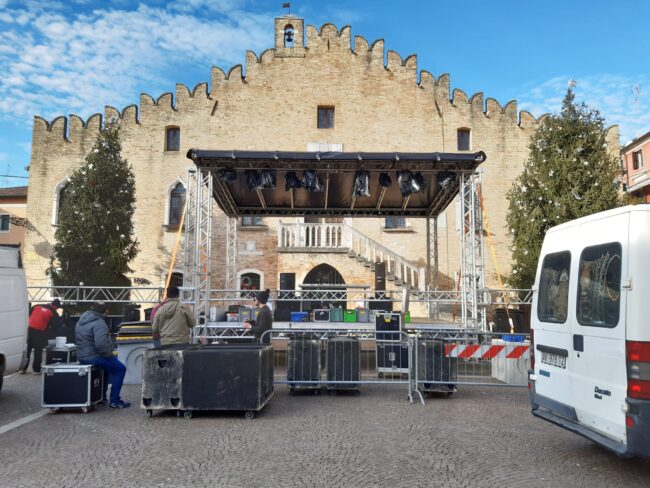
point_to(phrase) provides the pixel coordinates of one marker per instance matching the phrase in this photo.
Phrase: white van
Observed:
(13, 312)
(591, 329)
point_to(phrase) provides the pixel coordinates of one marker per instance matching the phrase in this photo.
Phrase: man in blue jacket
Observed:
(94, 346)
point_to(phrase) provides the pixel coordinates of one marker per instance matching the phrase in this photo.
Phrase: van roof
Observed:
(9, 257)
(645, 208)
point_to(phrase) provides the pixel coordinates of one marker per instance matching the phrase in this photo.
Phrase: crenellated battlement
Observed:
(315, 43)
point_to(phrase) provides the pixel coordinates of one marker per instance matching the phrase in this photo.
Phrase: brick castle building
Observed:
(316, 89)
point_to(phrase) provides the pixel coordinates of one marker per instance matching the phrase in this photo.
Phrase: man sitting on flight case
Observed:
(94, 346)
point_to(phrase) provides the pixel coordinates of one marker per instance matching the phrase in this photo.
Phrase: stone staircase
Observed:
(340, 237)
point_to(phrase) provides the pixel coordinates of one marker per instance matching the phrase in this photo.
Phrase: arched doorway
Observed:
(325, 277)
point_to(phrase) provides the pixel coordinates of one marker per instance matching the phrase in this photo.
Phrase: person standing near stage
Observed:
(264, 319)
(40, 319)
(95, 346)
(173, 320)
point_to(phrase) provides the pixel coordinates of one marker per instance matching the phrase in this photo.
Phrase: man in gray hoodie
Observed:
(94, 346)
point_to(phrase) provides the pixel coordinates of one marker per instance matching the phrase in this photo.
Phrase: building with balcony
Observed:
(636, 166)
(316, 89)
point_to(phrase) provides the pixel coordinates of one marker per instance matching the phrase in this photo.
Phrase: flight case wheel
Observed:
(250, 415)
(187, 414)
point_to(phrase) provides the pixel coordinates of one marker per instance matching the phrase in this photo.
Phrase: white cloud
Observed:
(56, 59)
(621, 100)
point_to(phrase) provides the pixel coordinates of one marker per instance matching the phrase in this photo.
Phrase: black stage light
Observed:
(269, 180)
(361, 187)
(312, 181)
(253, 179)
(445, 179)
(291, 181)
(227, 175)
(384, 180)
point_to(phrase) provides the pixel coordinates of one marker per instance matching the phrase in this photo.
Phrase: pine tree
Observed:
(569, 174)
(94, 237)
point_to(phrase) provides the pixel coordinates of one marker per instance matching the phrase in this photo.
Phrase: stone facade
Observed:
(382, 103)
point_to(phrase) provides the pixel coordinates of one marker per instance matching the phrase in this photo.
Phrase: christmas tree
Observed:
(570, 173)
(94, 237)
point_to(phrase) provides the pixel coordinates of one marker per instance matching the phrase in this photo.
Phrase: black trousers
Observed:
(36, 340)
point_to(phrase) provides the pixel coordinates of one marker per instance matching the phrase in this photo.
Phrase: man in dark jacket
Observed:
(94, 346)
(264, 319)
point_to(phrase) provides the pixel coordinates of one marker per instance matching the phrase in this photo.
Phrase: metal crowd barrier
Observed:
(445, 359)
(336, 360)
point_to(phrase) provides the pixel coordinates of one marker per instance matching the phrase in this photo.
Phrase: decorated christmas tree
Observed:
(570, 173)
(94, 237)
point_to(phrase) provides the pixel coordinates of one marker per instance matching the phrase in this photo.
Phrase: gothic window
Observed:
(176, 204)
(172, 139)
(395, 223)
(60, 194)
(464, 143)
(289, 36)
(325, 117)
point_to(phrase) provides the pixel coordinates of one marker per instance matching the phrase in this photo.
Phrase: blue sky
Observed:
(75, 56)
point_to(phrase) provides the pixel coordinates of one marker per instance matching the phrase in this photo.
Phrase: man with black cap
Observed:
(264, 319)
(40, 320)
(95, 346)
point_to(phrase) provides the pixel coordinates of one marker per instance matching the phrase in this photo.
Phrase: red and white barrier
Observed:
(478, 351)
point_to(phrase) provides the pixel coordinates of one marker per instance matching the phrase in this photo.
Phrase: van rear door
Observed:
(597, 361)
(553, 329)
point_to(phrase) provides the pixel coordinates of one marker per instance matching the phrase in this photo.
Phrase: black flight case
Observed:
(72, 386)
(304, 362)
(436, 372)
(185, 377)
(343, 364)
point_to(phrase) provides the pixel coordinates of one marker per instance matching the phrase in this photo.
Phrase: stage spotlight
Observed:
(227, 175)
(384, 180)
(445, 179)
(312, 181)
(361, 187)
(269, 180)
(291, 181)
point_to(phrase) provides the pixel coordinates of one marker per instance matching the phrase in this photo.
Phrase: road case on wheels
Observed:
(72, 386)
(392, 351)
(304, 363)
(343, 364)
(185, 378)
(435, 371)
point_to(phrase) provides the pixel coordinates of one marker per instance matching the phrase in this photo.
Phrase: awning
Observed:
(439, 175)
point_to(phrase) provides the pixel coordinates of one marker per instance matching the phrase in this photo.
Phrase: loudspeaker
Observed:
(380, 276)
(288, 281)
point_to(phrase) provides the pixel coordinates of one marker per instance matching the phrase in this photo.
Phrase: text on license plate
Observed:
(554, 360)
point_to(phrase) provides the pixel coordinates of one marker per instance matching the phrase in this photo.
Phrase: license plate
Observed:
(554, 360)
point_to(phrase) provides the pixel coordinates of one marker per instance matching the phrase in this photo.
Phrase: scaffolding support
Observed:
(198, 239)
(432, 263)
(472, 263)
(231, 253)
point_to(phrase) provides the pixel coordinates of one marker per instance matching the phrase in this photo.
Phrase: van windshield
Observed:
(553, 294)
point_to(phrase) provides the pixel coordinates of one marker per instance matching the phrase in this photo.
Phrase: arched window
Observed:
(250, 281)
(172, 139)
(176, 204)
(58, 198)
(289, 36)
(464, 139)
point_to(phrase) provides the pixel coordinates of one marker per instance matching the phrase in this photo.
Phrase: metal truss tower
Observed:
(472, 262)
(198, 238)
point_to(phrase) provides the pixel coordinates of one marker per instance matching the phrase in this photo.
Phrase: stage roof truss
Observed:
(337, 171)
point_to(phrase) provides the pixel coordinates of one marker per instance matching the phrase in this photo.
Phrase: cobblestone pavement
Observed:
(481, 437)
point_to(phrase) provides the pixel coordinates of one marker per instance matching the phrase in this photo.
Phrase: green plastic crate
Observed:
(336, 315)
(407, 317)
(350, 316)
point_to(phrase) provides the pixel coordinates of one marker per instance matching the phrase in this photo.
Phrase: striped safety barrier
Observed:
(479, 351)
